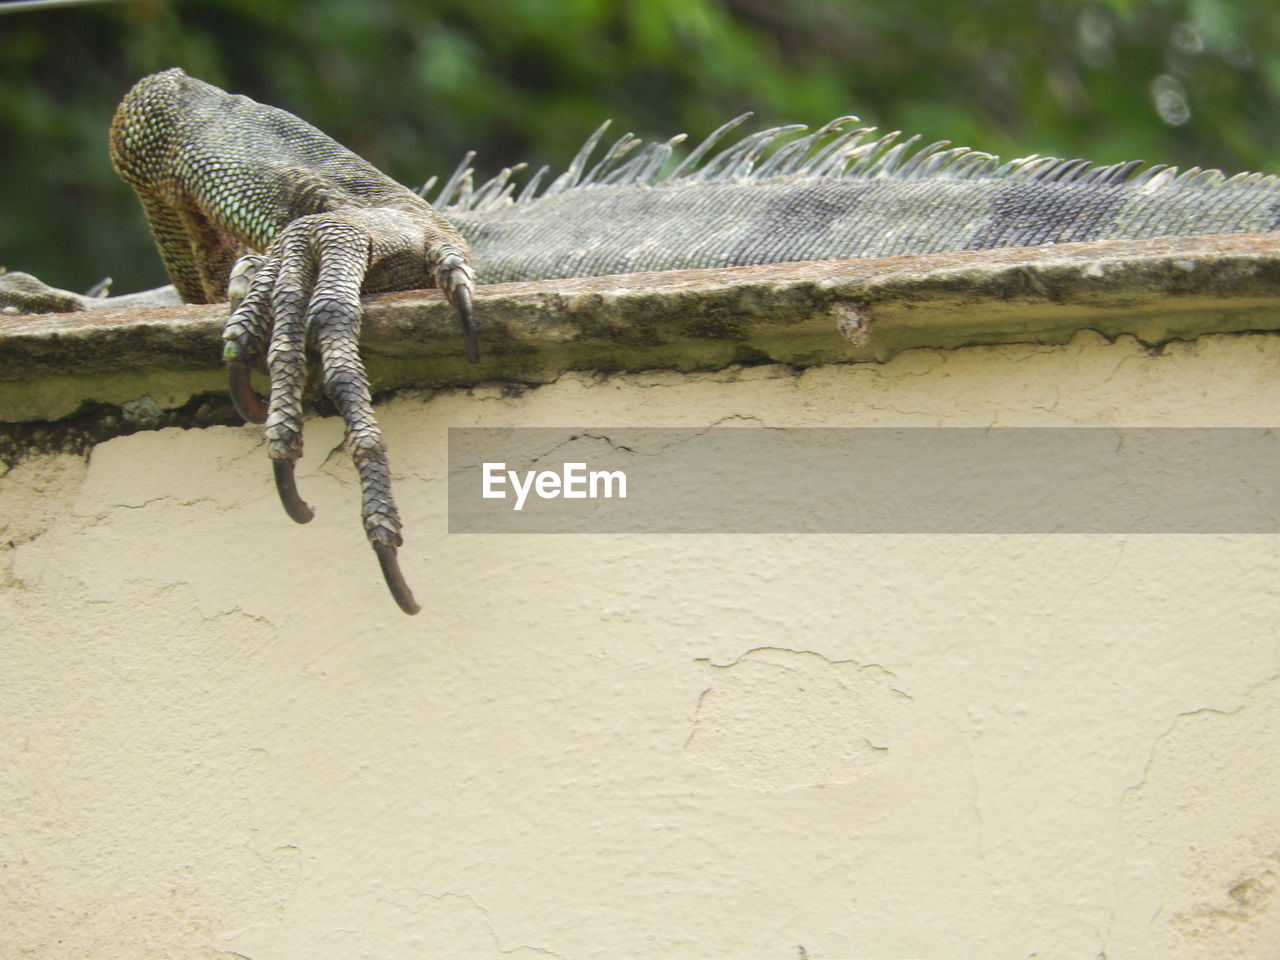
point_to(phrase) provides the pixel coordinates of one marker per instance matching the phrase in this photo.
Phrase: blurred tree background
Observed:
(412, 84)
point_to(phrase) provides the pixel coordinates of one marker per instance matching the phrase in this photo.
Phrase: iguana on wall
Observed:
(248, 203)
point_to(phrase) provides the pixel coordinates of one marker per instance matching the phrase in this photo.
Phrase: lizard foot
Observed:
(23, 293)
(306, 289)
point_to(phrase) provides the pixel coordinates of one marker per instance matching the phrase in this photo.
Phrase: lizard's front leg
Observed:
(218, 175)
(307, 289)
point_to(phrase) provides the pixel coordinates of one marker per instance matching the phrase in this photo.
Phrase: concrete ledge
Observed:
(1158, 290)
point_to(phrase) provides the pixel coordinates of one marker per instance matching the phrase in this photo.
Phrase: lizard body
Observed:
(248, 202)
(969, 201)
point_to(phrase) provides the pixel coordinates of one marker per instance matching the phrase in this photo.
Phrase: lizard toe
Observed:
(243, 398)
(400, 591)
(453, 275)
(245, 333)
(299, 510)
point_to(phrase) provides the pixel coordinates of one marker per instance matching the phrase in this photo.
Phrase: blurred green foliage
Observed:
(412, 85)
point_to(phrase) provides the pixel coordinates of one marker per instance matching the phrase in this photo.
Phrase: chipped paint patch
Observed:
(775, 719)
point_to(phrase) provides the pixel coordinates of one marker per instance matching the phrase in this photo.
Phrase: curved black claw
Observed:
(245, 400)
(299, 510)
(395, 579)
(467, 316)
(454, 276)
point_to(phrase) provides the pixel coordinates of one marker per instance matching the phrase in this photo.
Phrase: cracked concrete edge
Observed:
(1157, 290)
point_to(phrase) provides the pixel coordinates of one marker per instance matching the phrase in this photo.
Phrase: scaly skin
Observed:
(220, 177)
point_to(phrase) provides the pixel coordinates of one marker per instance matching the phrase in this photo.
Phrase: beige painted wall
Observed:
(220, 737)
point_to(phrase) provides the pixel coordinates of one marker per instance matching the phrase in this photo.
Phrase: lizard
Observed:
(250, 204)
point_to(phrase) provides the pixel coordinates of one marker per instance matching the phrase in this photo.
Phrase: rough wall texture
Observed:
(222, 739)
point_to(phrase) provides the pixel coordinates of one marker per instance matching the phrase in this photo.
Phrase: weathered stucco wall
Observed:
(222, 738)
